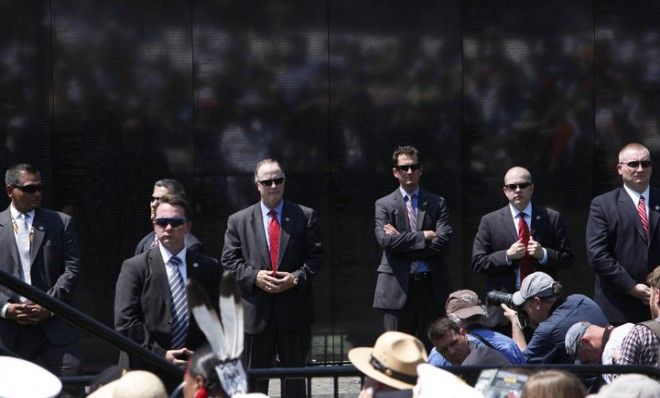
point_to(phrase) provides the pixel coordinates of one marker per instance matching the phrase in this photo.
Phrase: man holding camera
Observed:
(519, 238)
(541, 298)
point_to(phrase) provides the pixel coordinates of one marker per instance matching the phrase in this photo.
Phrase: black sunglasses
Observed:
(522, 185)
(29, 188)
(155, 199)
(635, 164)
(408, 167)
(175, 222)
(268, 183)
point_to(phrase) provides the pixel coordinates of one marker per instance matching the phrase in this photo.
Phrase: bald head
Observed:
(518, 187)
(635, 166)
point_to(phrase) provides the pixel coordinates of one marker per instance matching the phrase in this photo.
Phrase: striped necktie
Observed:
(412, 223)
(641, 210)
(179, 305)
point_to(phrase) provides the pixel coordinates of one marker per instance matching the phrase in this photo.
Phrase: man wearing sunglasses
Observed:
(519, 239)
(274, 248)
(164, 187)
(412, 227)
(38, 246)
(623, 239)
(150, 300)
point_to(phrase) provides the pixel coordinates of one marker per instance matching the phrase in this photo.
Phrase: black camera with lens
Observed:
(496, 297)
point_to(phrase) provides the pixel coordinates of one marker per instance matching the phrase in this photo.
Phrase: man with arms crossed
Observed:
(623, 241)
(274, 248)
(412, 228)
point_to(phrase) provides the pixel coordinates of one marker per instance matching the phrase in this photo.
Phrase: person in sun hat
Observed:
(21, 378)
(136, 383)
(541, 297)
(465, 308)
(391, 364)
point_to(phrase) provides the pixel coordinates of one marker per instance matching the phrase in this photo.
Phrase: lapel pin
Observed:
(195, 265)
(286, 219)
(538, 217)
(657, 208)
(41, 228)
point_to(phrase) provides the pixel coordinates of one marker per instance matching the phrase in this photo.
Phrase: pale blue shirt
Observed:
(169, 268)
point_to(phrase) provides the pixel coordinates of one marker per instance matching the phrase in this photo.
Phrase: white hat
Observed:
(136, 383)
(435, 382)
(24, 379)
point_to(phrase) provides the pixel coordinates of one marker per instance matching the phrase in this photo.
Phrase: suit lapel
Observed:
(260, 238)
(157, 267)
(8, 242)
(507, 221)
(288, 221)
(39, 228)
(654, 210)
(422, 207)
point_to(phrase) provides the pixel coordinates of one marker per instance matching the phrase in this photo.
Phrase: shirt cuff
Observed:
(544, 260)
(3, 312)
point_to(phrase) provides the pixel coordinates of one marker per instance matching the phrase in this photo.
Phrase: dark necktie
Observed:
(412, 222)
(525, 265)
(179, 306)
(273, 239)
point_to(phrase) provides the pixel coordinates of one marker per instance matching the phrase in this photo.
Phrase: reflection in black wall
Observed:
(108, 96)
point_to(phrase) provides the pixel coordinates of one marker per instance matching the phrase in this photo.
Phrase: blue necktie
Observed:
(179, 305)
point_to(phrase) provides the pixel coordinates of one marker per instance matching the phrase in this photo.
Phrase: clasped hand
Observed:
(274, 282)
(518, 249)
(27, 313)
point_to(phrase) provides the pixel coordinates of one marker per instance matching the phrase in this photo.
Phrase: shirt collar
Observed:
(527, 210)
(265, 209)
(14, 212)
(167, 255)
(634, 195)
(405, 193)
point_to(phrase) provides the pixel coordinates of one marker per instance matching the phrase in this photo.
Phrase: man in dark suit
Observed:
(623, 239)
(150, 300)
(519, 238)
(166, 186)
(412, 228)
(274, 248)
(38, 246)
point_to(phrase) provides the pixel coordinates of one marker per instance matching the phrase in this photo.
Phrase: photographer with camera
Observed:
(541, 298)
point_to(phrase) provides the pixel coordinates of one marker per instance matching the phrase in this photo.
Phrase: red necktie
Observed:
(525, 265)
(274, 239)
(641, 210)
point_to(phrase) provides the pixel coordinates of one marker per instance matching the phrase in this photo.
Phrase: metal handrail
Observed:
(89, 324)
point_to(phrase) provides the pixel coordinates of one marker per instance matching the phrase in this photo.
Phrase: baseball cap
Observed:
(573, 337)
(464, 304)
(538, 284)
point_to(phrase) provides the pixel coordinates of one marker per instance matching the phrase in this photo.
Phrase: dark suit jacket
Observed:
(55, 269)
(497, 232)
(143, 303)
(400, 250)
(619, 253)
(191, 242)
(245, 252)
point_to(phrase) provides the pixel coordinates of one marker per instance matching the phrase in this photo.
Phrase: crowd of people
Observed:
(273, 249)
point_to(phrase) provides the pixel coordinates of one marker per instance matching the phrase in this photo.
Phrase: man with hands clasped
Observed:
(274, 248)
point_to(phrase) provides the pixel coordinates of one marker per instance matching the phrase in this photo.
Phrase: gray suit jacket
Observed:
(497, 232)
(619, 253)
(399, 251)
(245, 252)
(55, 269)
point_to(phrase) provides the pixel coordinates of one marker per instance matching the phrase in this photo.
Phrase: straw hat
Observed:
(436, 382)
(136, 383)
(393, 359)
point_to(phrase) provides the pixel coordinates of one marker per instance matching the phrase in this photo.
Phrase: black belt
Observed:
(420, 276)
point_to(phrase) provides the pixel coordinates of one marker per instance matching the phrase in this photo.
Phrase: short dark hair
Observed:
(406, 150)
(175, 200)
(439, 328)
(174, 187)
(13, 174)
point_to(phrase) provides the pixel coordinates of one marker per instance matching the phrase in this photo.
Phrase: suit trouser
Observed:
(291, 347)
(417, 314)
